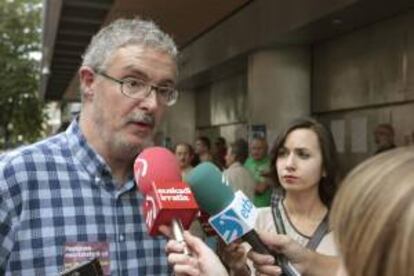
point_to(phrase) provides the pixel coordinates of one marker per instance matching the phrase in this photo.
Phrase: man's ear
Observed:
(86, 79)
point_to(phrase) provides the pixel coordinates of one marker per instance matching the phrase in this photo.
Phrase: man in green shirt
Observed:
(259, 163)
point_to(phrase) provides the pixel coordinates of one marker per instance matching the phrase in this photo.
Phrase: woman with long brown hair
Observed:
(304, 170)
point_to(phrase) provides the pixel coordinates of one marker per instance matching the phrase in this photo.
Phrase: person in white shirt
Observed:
(237, 175)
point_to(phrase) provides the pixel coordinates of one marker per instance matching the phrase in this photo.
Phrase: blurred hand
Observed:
(233, 255)
(202, 262)
(304, 260)
(296, 254)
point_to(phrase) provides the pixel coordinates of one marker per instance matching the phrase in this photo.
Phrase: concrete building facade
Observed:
(348, 63)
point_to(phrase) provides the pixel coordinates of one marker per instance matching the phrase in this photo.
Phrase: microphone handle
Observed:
(257, 245)
(178, 234)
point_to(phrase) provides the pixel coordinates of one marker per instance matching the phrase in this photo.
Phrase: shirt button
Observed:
(121, 237)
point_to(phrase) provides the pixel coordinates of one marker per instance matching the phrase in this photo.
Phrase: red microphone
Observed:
(168, 200)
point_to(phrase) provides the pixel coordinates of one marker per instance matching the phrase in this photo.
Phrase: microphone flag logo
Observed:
(141, 167)
(228, 225)
(151, 210)
(236, 220)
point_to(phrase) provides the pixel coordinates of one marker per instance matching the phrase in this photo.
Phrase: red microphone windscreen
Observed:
(155, 164)
(166, 197)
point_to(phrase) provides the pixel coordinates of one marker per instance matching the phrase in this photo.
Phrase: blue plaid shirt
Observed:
(59, 191)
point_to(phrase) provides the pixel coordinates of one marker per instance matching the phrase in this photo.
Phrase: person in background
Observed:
(184, 153)
(219, 152)
(239, 178)
(203, 149)
(384, 137)
(304, 168)
(74, 195)
(258, 163)
(237, 175)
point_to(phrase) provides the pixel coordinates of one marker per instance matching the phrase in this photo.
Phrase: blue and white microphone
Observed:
(236, 220)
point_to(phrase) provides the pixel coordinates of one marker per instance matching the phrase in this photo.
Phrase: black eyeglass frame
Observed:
(148, 89)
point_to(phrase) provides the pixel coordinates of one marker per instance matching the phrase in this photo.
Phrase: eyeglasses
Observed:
(139, 89)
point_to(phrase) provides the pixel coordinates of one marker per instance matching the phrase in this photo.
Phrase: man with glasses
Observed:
(72, 197)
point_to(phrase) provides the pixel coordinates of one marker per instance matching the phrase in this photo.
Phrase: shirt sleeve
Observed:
(9, 198)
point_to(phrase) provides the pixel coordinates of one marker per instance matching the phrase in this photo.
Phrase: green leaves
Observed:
(21, 110)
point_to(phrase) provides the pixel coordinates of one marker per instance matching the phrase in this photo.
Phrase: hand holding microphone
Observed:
(202, 262)
(168, 200)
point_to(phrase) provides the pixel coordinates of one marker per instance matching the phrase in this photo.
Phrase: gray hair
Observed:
(124, 32)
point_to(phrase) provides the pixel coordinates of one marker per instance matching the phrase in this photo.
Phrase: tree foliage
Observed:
(21, 110)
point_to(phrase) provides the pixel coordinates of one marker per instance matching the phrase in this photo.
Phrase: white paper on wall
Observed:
(338, 132)
(359, 135)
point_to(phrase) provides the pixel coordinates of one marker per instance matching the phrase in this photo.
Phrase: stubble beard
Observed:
(124, 149)
(117, 144)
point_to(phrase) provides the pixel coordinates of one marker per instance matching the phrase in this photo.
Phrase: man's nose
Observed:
(151, 102)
